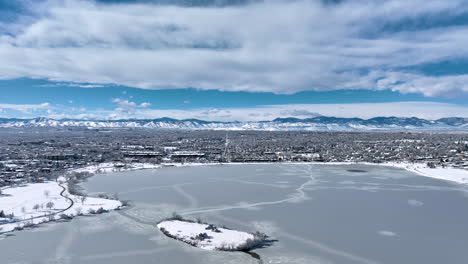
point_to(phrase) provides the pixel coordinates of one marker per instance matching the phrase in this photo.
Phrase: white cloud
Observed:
(123, 102)
(25, 108)
(427, 110)
(126, 106)
(128, 109)
(59, 84)
(279, 46)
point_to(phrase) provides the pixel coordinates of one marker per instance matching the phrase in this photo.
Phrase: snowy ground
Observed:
(448, 174)
(115, 167)
(187, 231)
(37, 203)
(112, 167)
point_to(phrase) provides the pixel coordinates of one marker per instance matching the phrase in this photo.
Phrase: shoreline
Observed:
(451, 174)
(22, 194)
(30, 205)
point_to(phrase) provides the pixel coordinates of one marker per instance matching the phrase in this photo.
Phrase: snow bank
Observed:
(113, 167)
(187, 232)
(447, 173)
(37, 203)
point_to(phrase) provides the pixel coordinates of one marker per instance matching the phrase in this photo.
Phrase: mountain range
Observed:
(319, 123)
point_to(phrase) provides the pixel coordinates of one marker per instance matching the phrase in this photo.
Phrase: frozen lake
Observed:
(318, 214)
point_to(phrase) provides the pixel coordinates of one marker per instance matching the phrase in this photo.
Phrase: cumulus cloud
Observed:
(299, 112)
(278, 46)
(126, 106)
(25, 108)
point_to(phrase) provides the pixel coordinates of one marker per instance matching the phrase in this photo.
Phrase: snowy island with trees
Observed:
(210, 237)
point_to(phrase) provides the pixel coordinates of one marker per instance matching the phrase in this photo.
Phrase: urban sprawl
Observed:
(38, 154)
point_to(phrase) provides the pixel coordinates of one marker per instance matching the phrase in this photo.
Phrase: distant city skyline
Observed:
(244, 60)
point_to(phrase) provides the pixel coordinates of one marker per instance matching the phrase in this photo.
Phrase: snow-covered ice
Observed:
(446, 173)
(28, 203)
(187, 231)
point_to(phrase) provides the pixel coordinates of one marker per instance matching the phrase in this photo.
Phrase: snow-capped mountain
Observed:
(319, 123)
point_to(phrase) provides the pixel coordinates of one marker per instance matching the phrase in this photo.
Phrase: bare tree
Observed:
(36, 207)
(50, 205)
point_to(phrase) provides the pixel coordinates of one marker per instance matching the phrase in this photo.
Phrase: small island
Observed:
(209, 236)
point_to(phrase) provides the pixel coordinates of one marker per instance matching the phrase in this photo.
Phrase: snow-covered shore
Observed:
(114, 167)
(37, 203)
(442, 173)
(446, 173)
(202, 236)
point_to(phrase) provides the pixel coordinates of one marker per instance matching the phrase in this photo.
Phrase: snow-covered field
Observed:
(116, 167)
(187, 231)
(113, 167)
(37, 203)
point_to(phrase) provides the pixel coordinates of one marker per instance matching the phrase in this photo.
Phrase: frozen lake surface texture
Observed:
(317, 213)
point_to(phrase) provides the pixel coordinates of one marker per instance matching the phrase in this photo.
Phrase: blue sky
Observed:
(233, 60)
